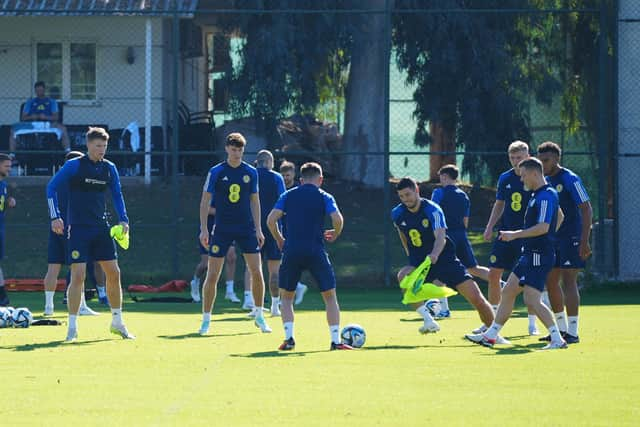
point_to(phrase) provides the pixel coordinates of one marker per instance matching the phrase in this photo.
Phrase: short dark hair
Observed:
(550, 147)
(310, 170)
(406, 182)
(263, 158)
(73, 155)
(235, 139)
(450, 170)
(4, 157)
(287, 166)
(97, 133)
(531, 163)
(39, 83)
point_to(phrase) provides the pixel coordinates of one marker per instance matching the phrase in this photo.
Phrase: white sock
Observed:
(493, 331)
(83, 302)
(299, 285)
(229, 286)
(532, 320)
(555, 334)
(248, 296)
(573, 326)
(561, 320)
(335, 333)
(288, 330)
(424, 312)
(48, 298)
(116, 316)
(494, 308)
(444, 303)
(102, 291)
(206, 317)
(274, 302)
(258, 312)
(73, 321)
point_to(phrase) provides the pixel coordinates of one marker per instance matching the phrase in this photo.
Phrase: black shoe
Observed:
(547, 338)
(289, 344)
(571, 339)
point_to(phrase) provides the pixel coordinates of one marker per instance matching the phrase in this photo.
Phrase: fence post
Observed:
(602, 139)
(174, 147)
(387, 189)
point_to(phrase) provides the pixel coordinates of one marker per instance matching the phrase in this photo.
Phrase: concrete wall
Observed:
(629, 139)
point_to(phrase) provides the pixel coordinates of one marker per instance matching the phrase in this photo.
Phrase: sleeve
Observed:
(280, 184)
(547, 208)
(116, 194)
(437, 218)
(436, 196)
(501, 190)
(54, 106)
(280, 204)
(330, 205)
(210, 182)
(467, 207)
(27, 107)
(395, 214)
(254, 181)
(58, 181)
(577, 190)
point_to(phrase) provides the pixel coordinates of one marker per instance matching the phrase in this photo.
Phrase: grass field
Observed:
(171, 376)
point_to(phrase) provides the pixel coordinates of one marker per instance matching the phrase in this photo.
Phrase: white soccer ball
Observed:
(5, 318)
(21, 317)
(434, 307)
(353, 335)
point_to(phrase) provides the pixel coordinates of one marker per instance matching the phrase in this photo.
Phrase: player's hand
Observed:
(507, 236)
(280, 243)
(585, 250)
(434, 258)
(125, 227)
(204, 239)
(330, 235)
(488, 234)
(260, 238)
(11, 202)
(57, 226)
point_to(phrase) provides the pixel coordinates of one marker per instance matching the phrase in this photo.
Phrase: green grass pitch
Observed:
(170, 376)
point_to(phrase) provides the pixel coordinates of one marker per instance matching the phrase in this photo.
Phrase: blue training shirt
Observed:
(419, 227)
(271, 187)
(511, 191)
(455, 205)
(86, 182)
(37, 105)
(305, 208)
(572, 194)
(231, 189)
(3, 203)
(542, 207)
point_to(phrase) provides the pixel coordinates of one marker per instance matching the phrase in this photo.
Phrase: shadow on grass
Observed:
(515, 349)
(197, 335)
(51, 344)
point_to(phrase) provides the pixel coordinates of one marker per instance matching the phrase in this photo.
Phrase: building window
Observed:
(68, 69)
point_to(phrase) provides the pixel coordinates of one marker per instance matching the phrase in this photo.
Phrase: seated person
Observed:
(41, 109)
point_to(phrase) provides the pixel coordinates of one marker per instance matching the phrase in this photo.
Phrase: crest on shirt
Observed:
(75, 254)
(425, 223)
(246, 179)
(559, 188)
(493, 258)
(215, 249)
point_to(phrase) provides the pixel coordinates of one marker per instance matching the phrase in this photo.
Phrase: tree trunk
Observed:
(443, 140)
(364, 129)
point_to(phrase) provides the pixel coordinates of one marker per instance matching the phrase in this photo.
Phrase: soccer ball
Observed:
(21, 317)
(434, 307)
(5, 318)
(353, 335)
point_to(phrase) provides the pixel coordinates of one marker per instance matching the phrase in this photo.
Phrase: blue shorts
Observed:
(448, 270)
(210, 223)
(505, 255)
(533, 268)
(90, 242)
(568, 253)
(316, 262)
(270, 249)
(57, 249)
(220, 242)
(464, 252)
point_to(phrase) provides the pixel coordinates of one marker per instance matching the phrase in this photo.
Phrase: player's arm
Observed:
(26, 115)
(255, 213)
(560, 218)
(403, 240)
(548, 208)
(208, 190)
(496, 214)
(118, 199)
(59, 180)
(272, 224)
(439, 226)
(337, 221)
(587, 218)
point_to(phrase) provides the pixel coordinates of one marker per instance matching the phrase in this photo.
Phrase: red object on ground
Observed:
(171, 286)
(31, 285)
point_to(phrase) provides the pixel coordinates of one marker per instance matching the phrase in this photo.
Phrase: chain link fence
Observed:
(374, 91)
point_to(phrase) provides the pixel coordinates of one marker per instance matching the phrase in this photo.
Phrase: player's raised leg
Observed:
(114, 294)
(429, 325)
